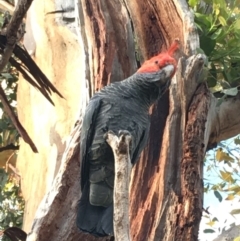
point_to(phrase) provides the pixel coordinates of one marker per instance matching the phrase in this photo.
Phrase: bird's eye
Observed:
(156, 62)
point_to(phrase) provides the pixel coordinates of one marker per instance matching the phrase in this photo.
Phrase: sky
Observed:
(220, 210)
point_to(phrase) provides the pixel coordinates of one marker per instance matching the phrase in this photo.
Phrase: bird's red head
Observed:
(163, 59)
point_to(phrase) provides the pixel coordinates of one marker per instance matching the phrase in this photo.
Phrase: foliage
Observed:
(222, 176)
(218, 24)
(8, 80)
(8, 133)
(11, 201)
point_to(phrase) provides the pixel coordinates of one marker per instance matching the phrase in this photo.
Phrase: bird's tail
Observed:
(95, 220)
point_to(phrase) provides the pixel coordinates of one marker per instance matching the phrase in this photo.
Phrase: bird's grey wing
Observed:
(141, 144)
(87, 134)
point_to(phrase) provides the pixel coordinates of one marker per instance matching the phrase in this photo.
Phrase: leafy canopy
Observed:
(218, 24)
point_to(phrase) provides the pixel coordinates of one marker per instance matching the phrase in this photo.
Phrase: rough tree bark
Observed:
(166, 198)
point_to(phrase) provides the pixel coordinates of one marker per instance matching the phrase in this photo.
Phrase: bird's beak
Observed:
(169, 70)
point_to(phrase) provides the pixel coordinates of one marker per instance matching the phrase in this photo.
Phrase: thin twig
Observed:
(7, 108)
(11, 34)
(15, 22)
(7, 162)
(6, 56)
(9, 147)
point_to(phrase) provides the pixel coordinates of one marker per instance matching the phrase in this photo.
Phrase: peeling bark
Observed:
(56, 216)
(191, 199)
(109, 40)
(157, 197)
(63, 190)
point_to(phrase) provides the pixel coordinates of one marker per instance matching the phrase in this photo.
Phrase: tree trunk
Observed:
(106, 45)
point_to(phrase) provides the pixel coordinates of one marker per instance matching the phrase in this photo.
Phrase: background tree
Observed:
(167, 191)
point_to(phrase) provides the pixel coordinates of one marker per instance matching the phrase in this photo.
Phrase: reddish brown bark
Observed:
(108, 30)
(191, 198)
(167, 192)
(156, 25)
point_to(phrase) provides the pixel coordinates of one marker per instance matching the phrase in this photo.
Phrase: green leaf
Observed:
(203, 20)
(13, 96)
(211, 223)
(220, 4)
(208, 230)
(3, 178)
(199, 27)
(206, 188)
(6, 75)
(9, 187)
(217, 33)
(235, 188)
(200, 51)
(231, 91)
(237, 141)
(237, 24)
(223, 156)
(227, 176)
(235, 211)
(218, 196)
(192, 3)
(222, 21)
(208, 1)
(207, 44)
(230, 197)
(212, 77)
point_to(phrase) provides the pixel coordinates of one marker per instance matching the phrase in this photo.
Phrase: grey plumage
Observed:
(122, 105)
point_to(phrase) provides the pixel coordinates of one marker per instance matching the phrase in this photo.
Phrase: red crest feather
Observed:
(158, 62)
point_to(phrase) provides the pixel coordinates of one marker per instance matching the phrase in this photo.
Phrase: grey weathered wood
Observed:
(120, 146)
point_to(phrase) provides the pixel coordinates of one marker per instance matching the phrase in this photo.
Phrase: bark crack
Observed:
(191, 165)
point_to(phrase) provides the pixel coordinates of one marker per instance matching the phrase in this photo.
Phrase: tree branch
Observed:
(15, 233)
(9, 147)
(15, 121)
(224, 119)
(15, 22)
(120, 146)
(8, 48)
